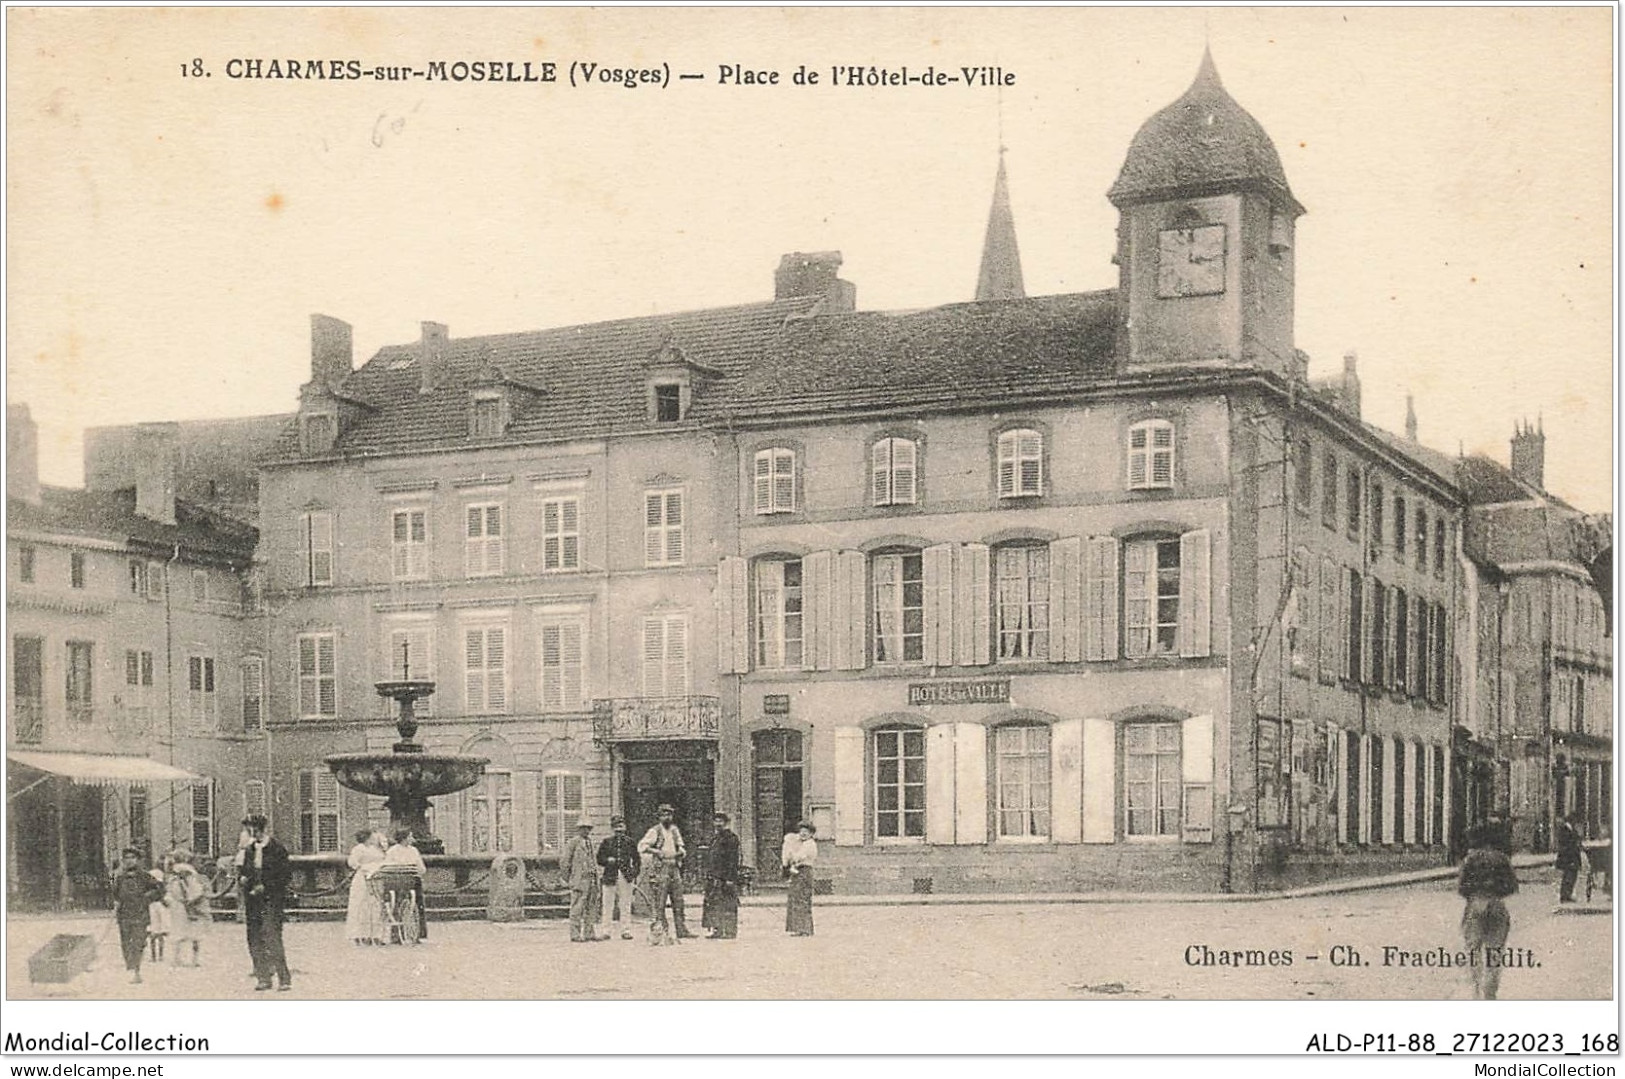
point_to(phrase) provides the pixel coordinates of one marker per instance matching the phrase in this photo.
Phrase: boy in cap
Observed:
(580, 870)
(133, 890)
(618, 855)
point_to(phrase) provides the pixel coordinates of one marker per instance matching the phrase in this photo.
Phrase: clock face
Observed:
(1190, 262)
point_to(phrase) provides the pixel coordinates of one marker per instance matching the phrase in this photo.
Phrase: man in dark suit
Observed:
(722, 882)
(619, 856)
(1569, 857)
(265, 875)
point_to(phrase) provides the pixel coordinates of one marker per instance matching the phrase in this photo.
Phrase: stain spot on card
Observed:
(275, 202)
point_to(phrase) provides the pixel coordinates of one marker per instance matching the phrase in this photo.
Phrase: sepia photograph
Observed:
(820, 505)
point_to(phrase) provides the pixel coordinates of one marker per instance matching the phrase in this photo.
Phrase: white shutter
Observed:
(1138, 451)
(1196, 770)
(1100, 633)
(1427, 795)
(880, 488)
(849, 613)
(818, 607)
(764, 481)
(1413, 765)
(939, 783)
(572, 663)
(654, 656)
(676, 675)
(784, 481)
(1066, 599)
(970, 783)
(1195, 594)
(1391, 747)
(1099, 781)
(1007, 464)
(1444, 752)
(1365, 789)
(972, 629)
(849, 786)
(937, 565)
(903, 471)
(733, 640)
(654, 536)
(1066, 780)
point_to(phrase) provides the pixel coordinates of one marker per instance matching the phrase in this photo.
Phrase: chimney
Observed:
(1410, 418)
(154, 455)
(22, 455)
(331, 355)
(432, 348)
(1529, 455)
(815, 273)
(1351, 384)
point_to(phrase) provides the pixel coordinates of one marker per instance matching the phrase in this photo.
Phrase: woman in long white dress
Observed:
(363, 921)
(186, 895)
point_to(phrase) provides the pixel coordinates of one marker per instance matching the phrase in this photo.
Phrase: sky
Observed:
(169, 235)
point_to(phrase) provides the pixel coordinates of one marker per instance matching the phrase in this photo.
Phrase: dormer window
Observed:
(318, 432)
(487, 415)
(668, 402)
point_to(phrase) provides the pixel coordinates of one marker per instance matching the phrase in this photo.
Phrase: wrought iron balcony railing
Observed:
(636, 719)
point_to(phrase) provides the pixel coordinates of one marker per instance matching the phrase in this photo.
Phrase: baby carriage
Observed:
(395, 888)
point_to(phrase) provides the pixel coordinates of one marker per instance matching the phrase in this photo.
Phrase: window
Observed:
(1328, 492)
(25, 564)
(562, 802)
(1441, 655)
(203, 818)
(1375, 795)
(1376, 520)
(1356, 627)
(80, 690)
(485, 669)
(409, 544)
(318, 681)
(1303, 476)
(899, 608)
(138, 578)
(202, 704)
(1419, 657)
(490, 813)
(483, 550)
(253, 694)
(665, 656)
(668, 402)
(561, 534)
(318, 432)
(76, 569)
(200, 586)
(1021, 464)
(1021, 760)
(1379, 633)
(485, 417)
(893, 469)
(900, 783)
(1300, 602)
(1151, 455)
(1421, 538)
(1021, 598)
(318, 811)
(411, 656)
(663, 528)
(138, 670)
(316, 540)
(1152, 784)
(1151, 597)
(1438, 546)
(254, 798)
(1353, 507)
(775, 481)
(778, 615)
(28, 688)
(1399, 527)
(562, 665)
(1402, 638)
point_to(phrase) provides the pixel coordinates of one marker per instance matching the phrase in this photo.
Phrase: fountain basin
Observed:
(416, 775)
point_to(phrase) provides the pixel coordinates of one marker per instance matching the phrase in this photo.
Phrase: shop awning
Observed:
(101, 769)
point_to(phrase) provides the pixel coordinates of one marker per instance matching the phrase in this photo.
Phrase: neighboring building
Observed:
(135, 671)
(1540, 740)
(216, 461)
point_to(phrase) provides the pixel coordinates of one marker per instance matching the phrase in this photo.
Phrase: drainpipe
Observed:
(169, 670)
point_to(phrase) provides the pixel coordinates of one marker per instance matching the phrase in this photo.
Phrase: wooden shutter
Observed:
(1066, 781)
(972, 629)
(939, 783)
(903, 471)
(1195, 594)
(1364, 792)
(1337, 774)
(654, 657)
(733, 616)
(1196, 770)
(1427, 795)
(1100, 633)
(817, 611)
(1385, 792)
(1413, 764)
(880, 487)
(1139, 599)
(1099, 781)
(970, 783)
(1066, 599)
(937, 570)
(849, 786)
(1368, 626)
(849, 611)
(764, 481)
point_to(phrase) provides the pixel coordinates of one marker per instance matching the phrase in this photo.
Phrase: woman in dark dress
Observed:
(799, 855)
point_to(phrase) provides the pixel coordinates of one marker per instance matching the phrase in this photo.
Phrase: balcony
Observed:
(642, 719)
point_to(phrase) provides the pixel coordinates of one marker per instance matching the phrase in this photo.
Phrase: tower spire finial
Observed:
(1000, 275)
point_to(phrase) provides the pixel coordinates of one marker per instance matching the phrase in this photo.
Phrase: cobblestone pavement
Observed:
(1130, 950)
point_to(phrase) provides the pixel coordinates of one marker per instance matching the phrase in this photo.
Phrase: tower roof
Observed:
(1202, 143)
(1000, 275)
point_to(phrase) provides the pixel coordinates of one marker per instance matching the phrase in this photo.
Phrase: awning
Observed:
(101, 769)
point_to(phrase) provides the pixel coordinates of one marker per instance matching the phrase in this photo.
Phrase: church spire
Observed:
(1000, 276)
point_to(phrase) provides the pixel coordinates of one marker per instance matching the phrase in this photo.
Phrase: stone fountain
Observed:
(408, 777)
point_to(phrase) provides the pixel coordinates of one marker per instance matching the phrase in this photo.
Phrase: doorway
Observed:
(680, 774)
(778, 795)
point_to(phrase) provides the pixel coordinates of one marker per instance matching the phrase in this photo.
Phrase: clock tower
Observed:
(1204, 238)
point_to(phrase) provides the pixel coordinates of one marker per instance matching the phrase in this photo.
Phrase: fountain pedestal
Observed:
(407, 777)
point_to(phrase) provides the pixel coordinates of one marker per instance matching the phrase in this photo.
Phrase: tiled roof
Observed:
(1441, 464)
(111, 515)
(1486, 482)
(945, 355)
(592, 378)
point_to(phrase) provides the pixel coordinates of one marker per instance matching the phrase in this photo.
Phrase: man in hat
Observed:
(265, 875)
(722, 882)
(580, 871)
(133, 890)
(618, 856)
(662, 848)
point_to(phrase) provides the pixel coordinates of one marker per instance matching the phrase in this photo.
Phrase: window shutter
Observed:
(1365, 790)
(817, 605)
(1138, 599)
(1196, 769)
(733, 616)
(937, 570)
(1413, 763)
(1066, 781)
(1195, 594)
(849, 786)
(1368, 625)
(327, 667)
(654, 537)
(307, 676)
(1100, 632)
(849, 640)
(1385, 794)
(880, 472)
(474, 670)
(903, 471)
(1007, 464)
(1099, 781)
(571, 665)
(1066, 599)
(1427, 794)
(1341, 633)
(784, 481)
(970, 783)
(1138, 452)
(939, 783)
(971, 627)
(764, 481)
(654, 655)
(1336, 774)
(1391, 643)
(676, 674)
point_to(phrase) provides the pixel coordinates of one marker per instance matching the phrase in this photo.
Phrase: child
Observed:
(157, 918)
(186, 897)
(134, 891)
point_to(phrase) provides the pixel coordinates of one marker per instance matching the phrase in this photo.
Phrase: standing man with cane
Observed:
(266, 875)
